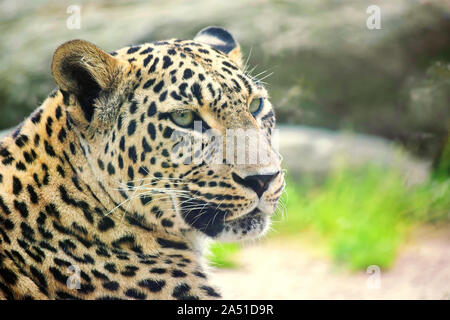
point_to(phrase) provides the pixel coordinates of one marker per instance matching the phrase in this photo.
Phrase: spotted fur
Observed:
(88, 187)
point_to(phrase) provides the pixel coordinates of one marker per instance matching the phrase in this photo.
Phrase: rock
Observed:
(315, 151)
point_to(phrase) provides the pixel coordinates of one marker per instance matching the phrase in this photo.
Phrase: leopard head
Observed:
(177, 133)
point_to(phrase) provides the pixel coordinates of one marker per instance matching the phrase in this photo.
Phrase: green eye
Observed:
(255, 106)
(183, 118)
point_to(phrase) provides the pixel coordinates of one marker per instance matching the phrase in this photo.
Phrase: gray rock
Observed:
(307, 150)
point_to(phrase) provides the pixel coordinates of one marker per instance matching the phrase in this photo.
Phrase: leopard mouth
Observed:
(203, 216)
(209, 219)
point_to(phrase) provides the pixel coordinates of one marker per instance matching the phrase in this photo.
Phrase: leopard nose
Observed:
(258, 183)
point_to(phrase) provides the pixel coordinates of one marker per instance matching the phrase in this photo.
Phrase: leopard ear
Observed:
(222, 40)
(86, 71)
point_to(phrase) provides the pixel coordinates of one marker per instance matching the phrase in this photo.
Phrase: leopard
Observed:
(103, 193)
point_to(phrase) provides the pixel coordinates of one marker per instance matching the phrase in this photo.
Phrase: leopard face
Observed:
(151, 102)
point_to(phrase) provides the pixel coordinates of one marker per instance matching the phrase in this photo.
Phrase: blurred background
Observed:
(364, 120)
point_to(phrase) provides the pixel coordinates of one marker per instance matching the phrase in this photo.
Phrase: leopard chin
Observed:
(252, 225)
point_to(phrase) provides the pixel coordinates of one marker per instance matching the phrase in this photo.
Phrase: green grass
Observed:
(361, 216)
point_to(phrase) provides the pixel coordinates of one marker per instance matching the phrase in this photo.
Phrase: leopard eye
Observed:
(183, 118)
(256, 106)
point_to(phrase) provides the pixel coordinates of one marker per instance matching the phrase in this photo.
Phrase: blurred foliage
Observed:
(328, 69)
(223, 255)
(364, 214)
(442, 162)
